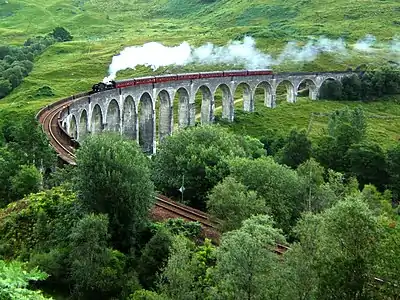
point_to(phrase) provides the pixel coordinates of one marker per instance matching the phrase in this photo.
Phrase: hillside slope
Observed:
(101, 29)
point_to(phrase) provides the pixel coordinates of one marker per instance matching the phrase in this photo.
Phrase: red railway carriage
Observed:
(188, 76)
(235, 73)
(165, 78)
(212, 74)
(259, 72)
(124, 83)
(145, 80)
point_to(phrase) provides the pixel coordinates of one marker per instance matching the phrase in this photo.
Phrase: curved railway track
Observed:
(50, 118)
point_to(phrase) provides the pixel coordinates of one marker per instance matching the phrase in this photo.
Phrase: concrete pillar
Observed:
(206, 106)
(248, 99)
(291, 93)
(165, 115)
(273, 99)
(227, 103)
(184, 111)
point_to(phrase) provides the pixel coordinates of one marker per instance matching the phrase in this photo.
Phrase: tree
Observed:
(186, 275)
(27, 180)
(29, 144)
(320, 194)
(337, 251)
(178, 276)
(113, 177)
(61, 34)
(331, 90)
(367, 162)
(393, 168)
(281, 188)
(96, 271)
(14, 281)
(199, 154)
(146, 295)
(345, 128)
(233, 203)
(296, 150)
(245, 265)
(5, 88)
(154, 256)
(351, 88)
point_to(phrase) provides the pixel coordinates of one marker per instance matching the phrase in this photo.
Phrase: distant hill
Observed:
(103, 28)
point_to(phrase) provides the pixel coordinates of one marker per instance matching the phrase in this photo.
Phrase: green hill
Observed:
(102, 29)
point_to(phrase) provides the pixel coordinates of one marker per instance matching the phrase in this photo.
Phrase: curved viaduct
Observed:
(145, 112)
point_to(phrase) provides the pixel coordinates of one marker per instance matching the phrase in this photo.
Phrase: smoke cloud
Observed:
(156, 55)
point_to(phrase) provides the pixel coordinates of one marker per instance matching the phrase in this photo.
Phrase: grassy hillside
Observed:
(383, 118)
(102, 29)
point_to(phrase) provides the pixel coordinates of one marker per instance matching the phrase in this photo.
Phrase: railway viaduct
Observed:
(145, 112)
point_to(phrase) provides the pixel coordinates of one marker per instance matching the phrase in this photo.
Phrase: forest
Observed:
(85, 232)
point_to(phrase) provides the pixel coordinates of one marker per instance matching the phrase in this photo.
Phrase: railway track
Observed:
(50, 118)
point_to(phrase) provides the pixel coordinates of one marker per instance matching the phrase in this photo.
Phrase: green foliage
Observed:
(231, 202)
(27, 180)
(186, 274)
(16, 62)
(331, 89)
(113, 177)
(153, 258)
(199, 154)
(146, 295)
(337, 253)
(393, 163)
(297, 149)
(191, 230)
(61, 34)
(245, 265)
(273, 141)
(40, 221)
(14, 281)
(345, 128)
(273, 181)
(367, 163)
(364, 86)
(96, 271)
(321, 194)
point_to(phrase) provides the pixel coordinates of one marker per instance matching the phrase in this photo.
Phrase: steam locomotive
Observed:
(101, 86)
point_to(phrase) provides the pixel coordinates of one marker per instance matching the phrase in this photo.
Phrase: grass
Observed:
(300, 115)
(103, 28)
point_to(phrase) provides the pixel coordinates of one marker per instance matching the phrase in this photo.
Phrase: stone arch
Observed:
(309, 84)
(113, 118)
(268, 95)
(227, 102)
(206, 111)
(182, 108)
(146, 123)
(290, 90)
(246, 96)
(97, 119)
(83, 125)
(129, 118)
(164, 115)
(73, 128)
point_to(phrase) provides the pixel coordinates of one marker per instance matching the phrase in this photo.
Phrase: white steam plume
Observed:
(243, 52)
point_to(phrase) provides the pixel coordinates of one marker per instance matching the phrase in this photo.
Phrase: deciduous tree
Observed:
(113, 177)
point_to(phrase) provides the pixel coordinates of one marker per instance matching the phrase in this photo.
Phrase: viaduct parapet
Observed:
(145, 112)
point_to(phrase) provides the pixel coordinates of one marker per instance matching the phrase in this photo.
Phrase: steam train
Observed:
(101, 86)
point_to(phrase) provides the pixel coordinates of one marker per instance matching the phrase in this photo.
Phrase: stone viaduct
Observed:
(145, 112)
